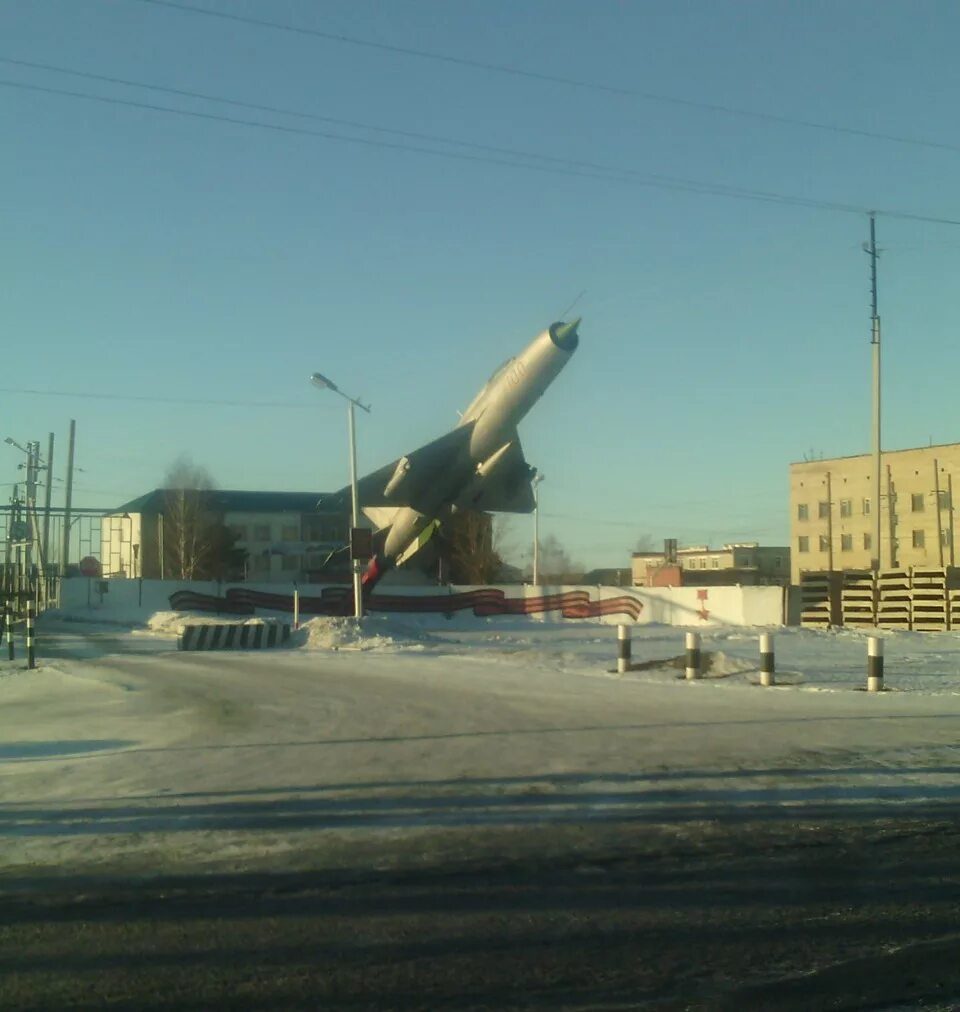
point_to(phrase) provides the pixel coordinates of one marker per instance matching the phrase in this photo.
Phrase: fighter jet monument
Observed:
(479, 465)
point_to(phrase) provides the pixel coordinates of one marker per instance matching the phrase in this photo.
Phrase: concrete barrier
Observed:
(232, 636)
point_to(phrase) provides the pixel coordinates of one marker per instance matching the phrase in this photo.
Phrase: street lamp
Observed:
(537, 478)
(319, 380)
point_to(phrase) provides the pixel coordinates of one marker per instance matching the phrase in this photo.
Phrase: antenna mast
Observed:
(875, 555)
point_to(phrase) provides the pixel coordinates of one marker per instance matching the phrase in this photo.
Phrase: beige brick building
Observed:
(746, 562)
(831, 510)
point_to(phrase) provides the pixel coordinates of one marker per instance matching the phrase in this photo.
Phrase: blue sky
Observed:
(150, 255)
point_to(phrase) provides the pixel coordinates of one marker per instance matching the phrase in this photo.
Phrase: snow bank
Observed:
(372, 633)
(171, 623)
(713, 664)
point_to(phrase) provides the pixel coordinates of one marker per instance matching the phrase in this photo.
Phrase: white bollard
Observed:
(767, 664)
(623, 649)
(874, 664)
(692, 643)
(31, 658)
(8, 628)
(296, 608)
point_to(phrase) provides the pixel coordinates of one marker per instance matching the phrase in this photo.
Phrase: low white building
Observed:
(283, 534)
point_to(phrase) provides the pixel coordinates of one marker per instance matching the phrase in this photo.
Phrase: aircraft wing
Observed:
(409, 481)
(505, 488)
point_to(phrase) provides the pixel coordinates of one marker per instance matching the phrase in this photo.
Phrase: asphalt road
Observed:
(491, 838)
(849, 916)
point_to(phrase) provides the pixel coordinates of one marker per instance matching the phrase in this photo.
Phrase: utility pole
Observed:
(46, 502)
(68, 502)
(8, 554)
(875, 553)
(33, 455)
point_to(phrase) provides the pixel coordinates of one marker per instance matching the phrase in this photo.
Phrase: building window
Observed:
(290, 532)
(824, 543)
(716, 563)
(943, 498)
(846, 508)
(823, 510)
(326, 528)
(291, 563)
(778, 562)
(846, 542)
(945, 536)
(918, 539)
(261, 532)
(866, 507)
(916, 502)
(239, 531)
(867, 542)
(803, 544)
(802, 512)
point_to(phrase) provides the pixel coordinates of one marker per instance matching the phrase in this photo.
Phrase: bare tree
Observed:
(197, 545)
(556, 566)
(471, 542)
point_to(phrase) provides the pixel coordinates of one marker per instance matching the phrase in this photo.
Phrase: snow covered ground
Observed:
(437, 736)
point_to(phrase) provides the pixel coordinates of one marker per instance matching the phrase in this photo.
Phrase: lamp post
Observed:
(319, 380)
(537, 478)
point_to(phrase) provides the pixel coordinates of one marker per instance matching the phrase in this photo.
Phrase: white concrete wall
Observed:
(137, 600)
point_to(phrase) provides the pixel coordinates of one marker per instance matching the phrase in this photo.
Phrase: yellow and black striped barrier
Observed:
(233, 636)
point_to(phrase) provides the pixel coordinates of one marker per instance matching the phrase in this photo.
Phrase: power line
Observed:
(616, 171)
(673, 183)
(298, 113)
(355, 124)
(503, 68)
(156, 400)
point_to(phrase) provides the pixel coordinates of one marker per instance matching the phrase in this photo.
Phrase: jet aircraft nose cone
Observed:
(564, 335)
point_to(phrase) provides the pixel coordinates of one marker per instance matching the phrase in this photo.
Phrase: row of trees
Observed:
(476, 547)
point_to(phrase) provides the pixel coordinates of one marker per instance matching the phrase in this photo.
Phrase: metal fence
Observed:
(32, 563)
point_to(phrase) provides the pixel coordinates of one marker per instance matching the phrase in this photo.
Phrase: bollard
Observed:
(692, 642)
(296, 608)
(31, 662)
(874, 664)
(623, 649)
(8, 623)
(766, 659)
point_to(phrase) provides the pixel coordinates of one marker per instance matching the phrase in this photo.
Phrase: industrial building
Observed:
(748, 563)
(832, 519)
